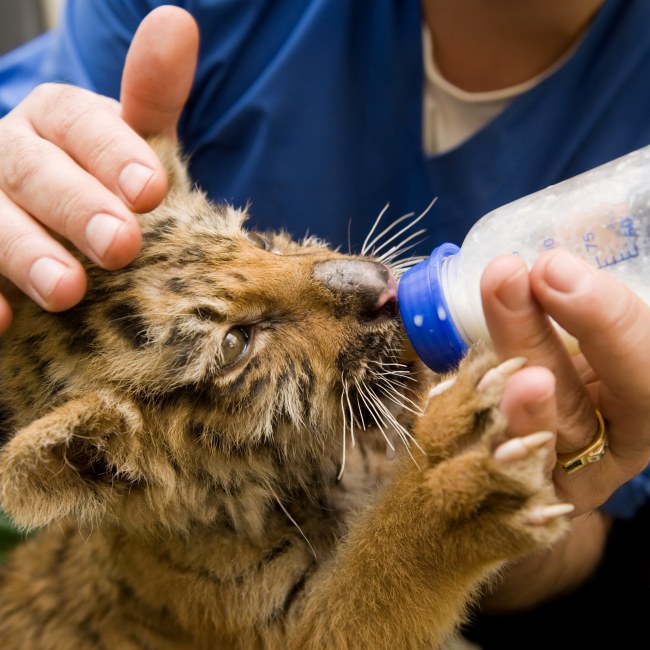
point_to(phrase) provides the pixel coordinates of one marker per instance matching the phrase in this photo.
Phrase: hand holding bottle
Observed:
(612, 372)
(559, 393)
(75, 163)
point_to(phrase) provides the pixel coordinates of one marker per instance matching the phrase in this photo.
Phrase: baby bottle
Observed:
(602, 216)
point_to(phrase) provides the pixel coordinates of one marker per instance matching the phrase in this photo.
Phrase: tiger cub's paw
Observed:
(501, 488)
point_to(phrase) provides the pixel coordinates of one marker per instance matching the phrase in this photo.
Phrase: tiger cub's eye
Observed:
(234, 345)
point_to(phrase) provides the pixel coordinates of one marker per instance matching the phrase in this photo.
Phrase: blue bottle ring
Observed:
(425, 313)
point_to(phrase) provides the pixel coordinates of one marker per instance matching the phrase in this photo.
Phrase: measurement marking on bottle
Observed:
(631, 252)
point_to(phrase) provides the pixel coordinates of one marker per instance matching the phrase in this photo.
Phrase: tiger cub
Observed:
(221, 447)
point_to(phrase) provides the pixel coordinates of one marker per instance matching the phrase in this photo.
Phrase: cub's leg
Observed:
(477, 478)
(411, 564)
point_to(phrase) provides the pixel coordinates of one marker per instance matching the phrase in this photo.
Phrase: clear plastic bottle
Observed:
(602, 216)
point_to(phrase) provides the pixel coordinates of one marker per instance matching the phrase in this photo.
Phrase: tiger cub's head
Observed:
(228, 344)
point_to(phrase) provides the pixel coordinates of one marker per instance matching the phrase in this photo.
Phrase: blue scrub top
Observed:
(311, 111)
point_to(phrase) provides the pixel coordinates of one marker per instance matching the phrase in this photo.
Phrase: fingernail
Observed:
(101, 231)
(567, 274)
(133, 179)
(45, 274)
(514, 293)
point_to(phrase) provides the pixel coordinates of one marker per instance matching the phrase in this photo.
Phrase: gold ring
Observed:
(593, 452)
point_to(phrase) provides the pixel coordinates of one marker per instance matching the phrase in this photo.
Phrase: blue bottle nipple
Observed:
(425, 313)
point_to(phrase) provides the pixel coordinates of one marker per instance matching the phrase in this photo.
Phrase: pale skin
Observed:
(78, 156)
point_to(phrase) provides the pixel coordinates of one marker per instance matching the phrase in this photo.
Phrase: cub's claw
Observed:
(519, 448)
(494, 378)
(541, 515)
(497, 376)
(441, 387)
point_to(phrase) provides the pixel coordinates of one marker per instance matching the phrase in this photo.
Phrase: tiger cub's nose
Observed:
(366, 289)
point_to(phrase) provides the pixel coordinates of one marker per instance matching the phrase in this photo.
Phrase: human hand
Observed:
(75, 165)
(557, 392)
(560, 392)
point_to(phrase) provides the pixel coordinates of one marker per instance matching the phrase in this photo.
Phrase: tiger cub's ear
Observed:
(174, 163)
(68, 463)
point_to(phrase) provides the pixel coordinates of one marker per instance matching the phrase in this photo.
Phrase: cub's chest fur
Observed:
(183, 437)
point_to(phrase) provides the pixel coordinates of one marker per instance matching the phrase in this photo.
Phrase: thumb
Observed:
(159, 70)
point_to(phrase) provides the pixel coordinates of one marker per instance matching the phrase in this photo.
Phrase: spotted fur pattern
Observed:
(177, 441)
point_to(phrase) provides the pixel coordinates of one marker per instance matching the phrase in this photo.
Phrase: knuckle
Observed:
(71, 114)
(105, 155)
(14, 243)
(38, 97)
(21, 163)
(537, 339)
(71, 209)
(614, 317)
(51, 99)
(54, 109)
(84, 125)
(43, 93)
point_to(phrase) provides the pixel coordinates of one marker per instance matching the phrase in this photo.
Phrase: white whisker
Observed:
(386, 230)
(407, 263)
(293, 521)
(391, 391)
(360, 411)
(375, 250)
(378, 420)
(364, 248)
(393, 256)
(402, 432)
(340, 474)
(347, 397)
(393, 368)
(398, 248)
